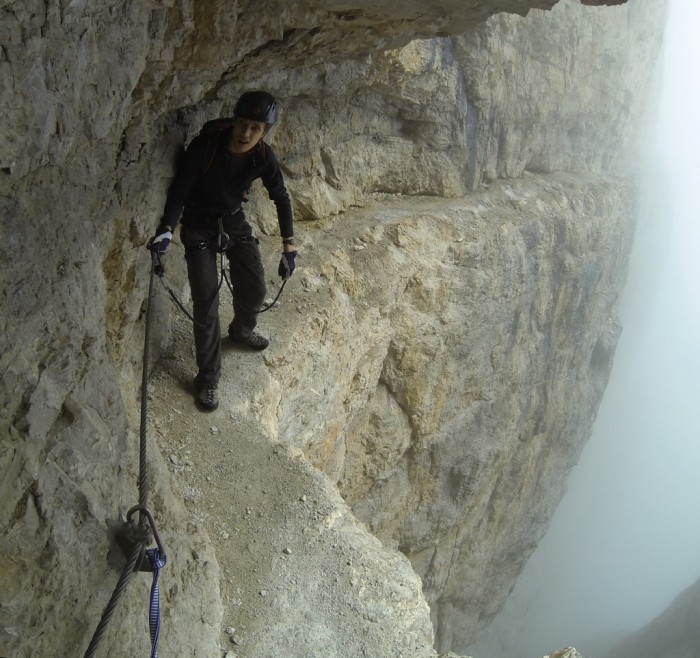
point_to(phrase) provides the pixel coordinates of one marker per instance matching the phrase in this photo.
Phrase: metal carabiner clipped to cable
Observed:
(146, 512)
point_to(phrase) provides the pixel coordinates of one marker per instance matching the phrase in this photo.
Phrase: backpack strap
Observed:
(213, 130)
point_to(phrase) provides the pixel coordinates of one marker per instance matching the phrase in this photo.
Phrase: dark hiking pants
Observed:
(247, 280)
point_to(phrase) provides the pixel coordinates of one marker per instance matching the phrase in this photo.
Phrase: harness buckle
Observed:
(223, 239)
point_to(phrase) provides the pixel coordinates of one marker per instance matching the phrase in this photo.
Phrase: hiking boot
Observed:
(208, 396)
(253, 340)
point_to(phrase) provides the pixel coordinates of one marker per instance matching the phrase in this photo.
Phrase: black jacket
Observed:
(211, 182)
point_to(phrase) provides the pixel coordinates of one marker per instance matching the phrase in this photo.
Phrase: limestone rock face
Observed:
(452, 399)
(461, 176)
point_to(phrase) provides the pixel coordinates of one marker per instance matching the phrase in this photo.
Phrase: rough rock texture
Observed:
(439, 359)
(461, 403)
(568, 652)
(300, 575)
(673, 634)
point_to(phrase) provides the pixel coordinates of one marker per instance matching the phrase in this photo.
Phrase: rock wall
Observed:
(447, 365)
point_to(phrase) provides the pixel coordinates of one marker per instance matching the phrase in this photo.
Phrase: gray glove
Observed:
(160, 241)
(287, 264)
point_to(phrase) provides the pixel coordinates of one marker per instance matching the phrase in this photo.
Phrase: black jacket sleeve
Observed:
(274, 184)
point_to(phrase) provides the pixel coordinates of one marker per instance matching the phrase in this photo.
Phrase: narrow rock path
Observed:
(301, 577)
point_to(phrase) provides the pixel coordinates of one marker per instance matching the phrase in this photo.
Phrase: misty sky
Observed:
(626, 539)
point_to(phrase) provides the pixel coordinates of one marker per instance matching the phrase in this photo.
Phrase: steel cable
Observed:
(139, 547)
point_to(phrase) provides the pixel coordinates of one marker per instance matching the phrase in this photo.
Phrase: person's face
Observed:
(246, 134)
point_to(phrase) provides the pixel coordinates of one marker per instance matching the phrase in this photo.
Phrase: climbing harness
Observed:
(223, 243)
(133, 538)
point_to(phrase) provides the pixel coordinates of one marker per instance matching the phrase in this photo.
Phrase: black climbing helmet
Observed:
(257, 106)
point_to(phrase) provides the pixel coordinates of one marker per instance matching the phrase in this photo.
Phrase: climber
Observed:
(211, 184)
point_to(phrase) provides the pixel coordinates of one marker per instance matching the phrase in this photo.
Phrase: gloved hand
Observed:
(160, 241)
(287, 264)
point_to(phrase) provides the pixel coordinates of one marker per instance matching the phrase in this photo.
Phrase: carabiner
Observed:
(146, 512)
